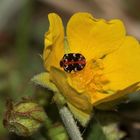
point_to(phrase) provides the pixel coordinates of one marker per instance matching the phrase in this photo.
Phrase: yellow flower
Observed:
(112, 67)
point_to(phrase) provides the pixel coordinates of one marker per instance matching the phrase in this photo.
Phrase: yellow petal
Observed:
(94, 37)
(54, 42)
(116, 97)
(59, 78)
(122, 67)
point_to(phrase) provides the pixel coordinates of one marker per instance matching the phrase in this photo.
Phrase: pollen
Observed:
(91, 79)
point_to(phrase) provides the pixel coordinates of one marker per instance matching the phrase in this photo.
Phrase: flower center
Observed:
(90, 79)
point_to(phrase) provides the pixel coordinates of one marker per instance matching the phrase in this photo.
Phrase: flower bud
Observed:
(24, 117)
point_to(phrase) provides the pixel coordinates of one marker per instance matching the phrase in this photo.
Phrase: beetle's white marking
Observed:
(74, 55)
(81, 66)
(75, 69)
(66, 66)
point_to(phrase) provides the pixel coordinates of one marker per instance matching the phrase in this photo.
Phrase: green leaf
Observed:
(43, 79)
(96, 132)
(112, 132)
(109, 123)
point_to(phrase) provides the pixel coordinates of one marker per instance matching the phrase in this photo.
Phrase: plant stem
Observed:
(70, 124)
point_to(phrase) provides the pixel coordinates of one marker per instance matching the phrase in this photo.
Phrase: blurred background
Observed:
(22, 27)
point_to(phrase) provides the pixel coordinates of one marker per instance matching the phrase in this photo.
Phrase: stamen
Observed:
(90, 79)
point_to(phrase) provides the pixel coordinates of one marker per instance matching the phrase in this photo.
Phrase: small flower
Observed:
(24, 117)
(112, 62)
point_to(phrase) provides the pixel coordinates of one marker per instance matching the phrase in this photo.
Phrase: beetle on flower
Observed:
(111, 67)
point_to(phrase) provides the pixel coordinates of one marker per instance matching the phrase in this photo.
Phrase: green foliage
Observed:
(96, 131)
